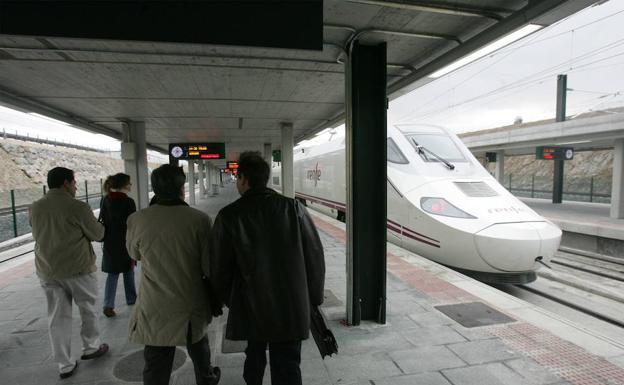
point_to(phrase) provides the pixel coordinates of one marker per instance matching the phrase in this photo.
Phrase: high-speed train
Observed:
(442, 204)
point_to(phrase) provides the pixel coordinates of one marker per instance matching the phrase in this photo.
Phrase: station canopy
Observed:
(241, 92)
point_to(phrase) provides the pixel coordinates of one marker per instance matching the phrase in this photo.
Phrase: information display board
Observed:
(232, 165)
(554, 153)
(191, 151)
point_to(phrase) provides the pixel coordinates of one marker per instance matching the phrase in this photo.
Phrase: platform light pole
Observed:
(562, 81)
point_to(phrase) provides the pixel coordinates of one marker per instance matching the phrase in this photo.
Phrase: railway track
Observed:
(585, 282)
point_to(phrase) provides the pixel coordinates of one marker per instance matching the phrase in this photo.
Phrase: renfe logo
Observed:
(314, 175)
(506, 210)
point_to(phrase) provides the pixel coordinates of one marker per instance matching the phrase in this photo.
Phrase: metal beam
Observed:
(417, 35)
(366, 183)
(439, 7)
(158, 56)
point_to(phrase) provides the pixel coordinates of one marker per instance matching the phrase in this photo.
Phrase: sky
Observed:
(517, 81)
(520, 80)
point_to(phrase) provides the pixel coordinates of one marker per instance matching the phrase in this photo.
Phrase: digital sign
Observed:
(554, 153)
(186, 151)
(232, 165)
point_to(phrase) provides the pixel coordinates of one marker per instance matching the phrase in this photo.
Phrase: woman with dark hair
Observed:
(114, 211)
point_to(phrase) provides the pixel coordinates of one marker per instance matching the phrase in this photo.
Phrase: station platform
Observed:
(419, 344)
(587, 226)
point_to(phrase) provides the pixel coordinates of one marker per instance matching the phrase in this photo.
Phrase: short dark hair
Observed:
(119, 180)
(58, 175)
(254, 168)
(167, 181)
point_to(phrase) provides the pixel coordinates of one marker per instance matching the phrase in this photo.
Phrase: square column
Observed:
(268, 154)
(202, 186)
(191, 182)
(288, 171)
(499, 171)
(134, 154)
(617, 184)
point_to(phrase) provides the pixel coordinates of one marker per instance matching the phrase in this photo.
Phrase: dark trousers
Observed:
(159, 362)
(285, 358)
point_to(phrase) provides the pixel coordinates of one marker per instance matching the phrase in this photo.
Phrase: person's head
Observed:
(253, 171)
(120, 182)
(62, 178)
(168, 182)
(106, 187)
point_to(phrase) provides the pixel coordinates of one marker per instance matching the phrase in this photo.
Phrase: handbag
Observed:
(323, 336)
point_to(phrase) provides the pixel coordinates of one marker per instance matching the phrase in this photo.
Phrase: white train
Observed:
(442, 204)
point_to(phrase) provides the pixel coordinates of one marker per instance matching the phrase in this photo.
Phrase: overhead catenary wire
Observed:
(513, 48)
(545, 74)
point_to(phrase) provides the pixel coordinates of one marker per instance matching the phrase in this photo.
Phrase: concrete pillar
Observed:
(268, 154)
(288, 184)
(617, 184)
(134, 154)
(208, 178)
(499, 172)
(202, 186)
(191, 182)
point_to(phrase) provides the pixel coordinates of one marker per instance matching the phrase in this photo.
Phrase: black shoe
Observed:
(109, 312)
(70, 373)
(98, 353)
(216, 376)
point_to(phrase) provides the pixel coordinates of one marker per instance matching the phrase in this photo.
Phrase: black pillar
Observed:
(366, 104)
(562, 81)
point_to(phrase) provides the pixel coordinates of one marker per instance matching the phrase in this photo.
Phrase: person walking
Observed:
(63, 229)
(115, 209)
(171, 241)
(268, 267)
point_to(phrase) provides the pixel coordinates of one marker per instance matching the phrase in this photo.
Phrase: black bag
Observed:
(324, 338)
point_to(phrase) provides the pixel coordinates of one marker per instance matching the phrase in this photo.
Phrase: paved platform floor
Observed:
(580, 217)
(418, 344)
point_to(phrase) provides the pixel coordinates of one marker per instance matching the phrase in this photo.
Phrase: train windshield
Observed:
(440, 145)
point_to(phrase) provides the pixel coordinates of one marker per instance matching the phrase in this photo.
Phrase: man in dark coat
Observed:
(268, 267)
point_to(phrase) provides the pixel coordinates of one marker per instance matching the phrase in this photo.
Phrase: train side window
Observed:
(394, 153)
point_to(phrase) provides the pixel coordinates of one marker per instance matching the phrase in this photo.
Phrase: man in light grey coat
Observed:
(63, 228)
(171, 240)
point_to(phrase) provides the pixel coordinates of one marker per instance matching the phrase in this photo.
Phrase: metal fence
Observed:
(580, 189)
(14, 206)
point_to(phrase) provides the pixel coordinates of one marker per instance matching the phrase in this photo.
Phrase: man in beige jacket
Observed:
(171, 240)
(63, 228)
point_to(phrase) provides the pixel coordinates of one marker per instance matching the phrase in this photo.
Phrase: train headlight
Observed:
(440, 206)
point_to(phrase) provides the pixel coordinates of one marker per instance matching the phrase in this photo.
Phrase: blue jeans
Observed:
(110, 289)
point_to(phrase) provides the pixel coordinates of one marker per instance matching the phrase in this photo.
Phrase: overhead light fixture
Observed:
(496, 45)
(323, 132)
(576, 142)
(36, 115)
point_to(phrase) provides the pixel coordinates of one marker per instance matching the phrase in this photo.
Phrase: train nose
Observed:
(515, 246)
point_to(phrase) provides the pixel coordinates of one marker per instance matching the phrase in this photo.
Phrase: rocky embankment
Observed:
(588, 171)
(24, 165)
